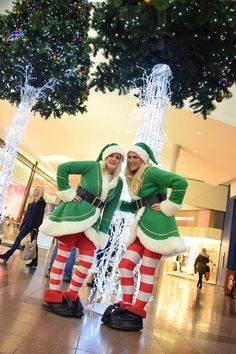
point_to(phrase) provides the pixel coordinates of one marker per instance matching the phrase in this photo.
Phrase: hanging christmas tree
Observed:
(196, 38)
(51, 37)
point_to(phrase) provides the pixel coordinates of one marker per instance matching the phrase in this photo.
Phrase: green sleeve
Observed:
(169, 180)
(71, 168)
(110, 208)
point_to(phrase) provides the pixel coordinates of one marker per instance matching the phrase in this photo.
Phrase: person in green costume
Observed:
(153, 233)
(82, 220)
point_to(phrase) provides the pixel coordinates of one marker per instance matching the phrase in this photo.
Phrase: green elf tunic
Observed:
(157, 230)
(71, 217)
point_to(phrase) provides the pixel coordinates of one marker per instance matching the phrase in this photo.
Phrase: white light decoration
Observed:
(13, 134)
(153, 99)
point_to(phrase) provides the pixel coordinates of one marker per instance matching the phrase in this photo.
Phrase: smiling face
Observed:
(133, 162)
(112, 162)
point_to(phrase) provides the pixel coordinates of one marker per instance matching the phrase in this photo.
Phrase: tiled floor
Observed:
(181, 319)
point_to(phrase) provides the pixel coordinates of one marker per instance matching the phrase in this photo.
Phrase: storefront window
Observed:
(16, 190)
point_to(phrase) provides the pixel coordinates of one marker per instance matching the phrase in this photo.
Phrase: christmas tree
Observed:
(51, 37)
(196, 38)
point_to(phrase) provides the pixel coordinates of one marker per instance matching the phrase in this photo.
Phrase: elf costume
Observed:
(83, 224)
(153, 234)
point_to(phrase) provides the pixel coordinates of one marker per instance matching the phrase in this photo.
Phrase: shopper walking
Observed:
(32, 220)
(201, 266)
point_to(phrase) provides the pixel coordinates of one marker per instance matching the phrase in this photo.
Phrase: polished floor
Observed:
(181, 319)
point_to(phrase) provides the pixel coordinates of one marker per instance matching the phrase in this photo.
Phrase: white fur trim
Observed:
(114, 149)
(67, 195)
(169, 246)
(140, 152)
(52, 228)
(133, 227)
(103, 238)
(108, 184)
(169, 208)
(92, 235)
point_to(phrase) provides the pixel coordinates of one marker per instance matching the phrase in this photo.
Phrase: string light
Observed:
(13, 134)
(154, 96)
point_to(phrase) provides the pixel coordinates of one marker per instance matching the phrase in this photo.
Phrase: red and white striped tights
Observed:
(135, 252)
(57, 270)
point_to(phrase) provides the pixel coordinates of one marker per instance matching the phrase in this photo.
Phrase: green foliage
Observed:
(196, 38)
(52, 37)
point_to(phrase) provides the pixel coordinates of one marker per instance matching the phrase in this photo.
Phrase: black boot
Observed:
(126, 321)
(33, 263)
(110, 310)
(5, 256)
(66, 308)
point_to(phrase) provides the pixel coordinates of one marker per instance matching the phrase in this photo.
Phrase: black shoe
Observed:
(67, 279)
(110, 310)
(32, 264)
(126, 321)
(66, 308)
(5, 256)
(233, 296)
(91, 284)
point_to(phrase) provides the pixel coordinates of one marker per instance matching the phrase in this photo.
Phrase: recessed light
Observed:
(192, 165)
(195, 151)
(199, 133)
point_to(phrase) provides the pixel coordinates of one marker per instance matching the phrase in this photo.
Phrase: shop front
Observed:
(195, 228)
(26, 176)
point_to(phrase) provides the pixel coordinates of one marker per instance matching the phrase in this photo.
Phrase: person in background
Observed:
(153, 233)
(32, 220)
(201, 266)
(69, 264)
(82, 220)
(232, 291)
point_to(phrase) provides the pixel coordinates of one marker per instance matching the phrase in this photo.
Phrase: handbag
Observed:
(29, 251)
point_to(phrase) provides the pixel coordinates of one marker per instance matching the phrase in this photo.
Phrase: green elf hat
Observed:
(111, 149)
(144, 152)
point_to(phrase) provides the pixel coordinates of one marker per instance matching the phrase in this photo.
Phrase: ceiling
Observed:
(207, 147)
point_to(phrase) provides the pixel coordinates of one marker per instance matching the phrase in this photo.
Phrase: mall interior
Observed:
(181, 318)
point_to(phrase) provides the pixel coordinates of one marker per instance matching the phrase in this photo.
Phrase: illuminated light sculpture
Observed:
(154, 97)
(14, 133)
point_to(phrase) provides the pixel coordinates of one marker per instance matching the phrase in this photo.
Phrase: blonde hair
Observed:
(41, 194)
(135, 181)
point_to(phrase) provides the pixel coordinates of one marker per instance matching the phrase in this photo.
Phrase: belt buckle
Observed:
(139, 204)
(97, 202)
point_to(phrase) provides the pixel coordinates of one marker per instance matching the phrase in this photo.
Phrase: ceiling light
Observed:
(199, 133)
(195, 151)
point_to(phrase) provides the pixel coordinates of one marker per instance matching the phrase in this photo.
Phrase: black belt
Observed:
(90, 198)
(138, 204)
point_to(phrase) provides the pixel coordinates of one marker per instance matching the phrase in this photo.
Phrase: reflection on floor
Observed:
(181, 319)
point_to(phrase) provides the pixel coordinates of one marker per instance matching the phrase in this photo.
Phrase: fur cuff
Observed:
(103, 238)
(136, 310)
(169, 208)
(53, 296)
(67, 195)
